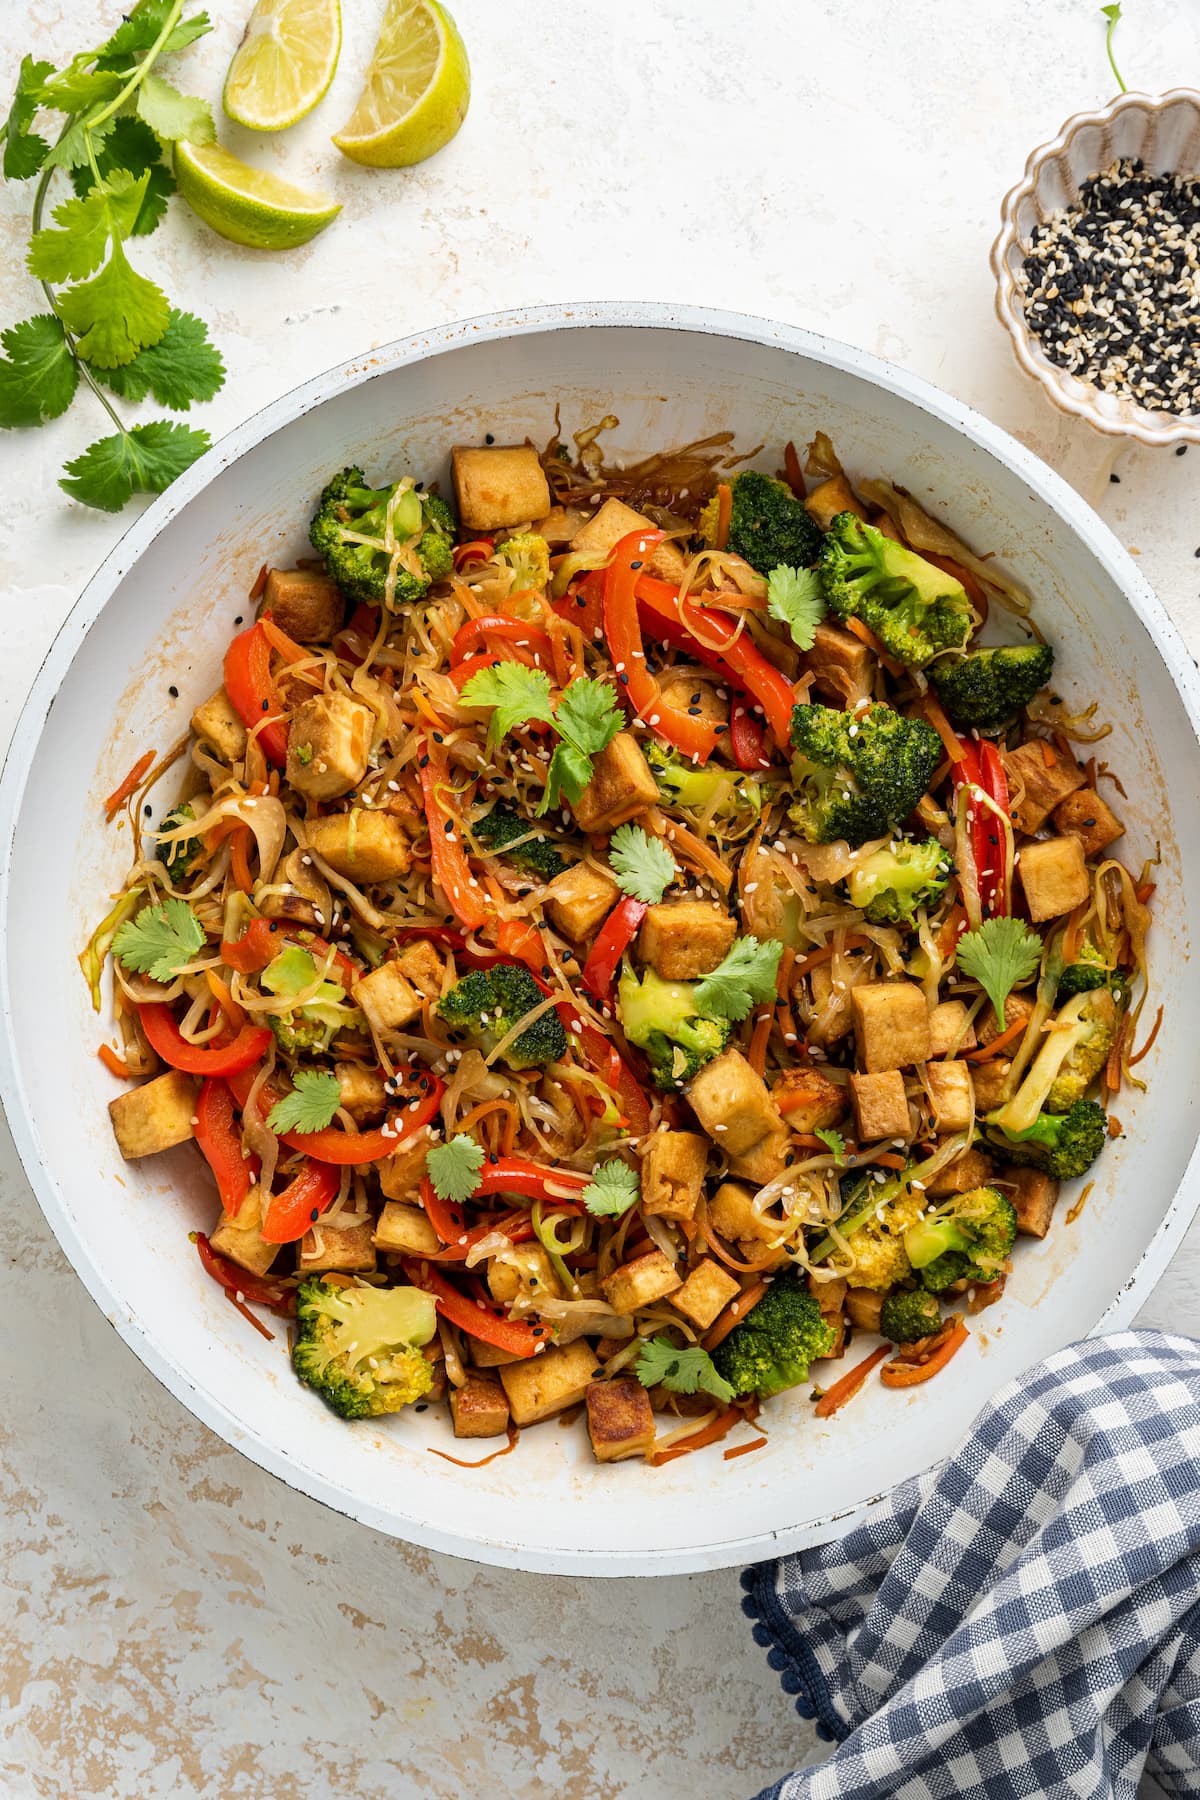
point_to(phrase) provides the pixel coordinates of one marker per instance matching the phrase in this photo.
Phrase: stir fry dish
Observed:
(621, 930)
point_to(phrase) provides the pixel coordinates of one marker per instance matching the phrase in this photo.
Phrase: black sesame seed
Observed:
(489, 439)
(1116, 479)
(148, 811)
(174, 692)
(493, 1158)
(1181, 449)
(422, 762)
(624, 680)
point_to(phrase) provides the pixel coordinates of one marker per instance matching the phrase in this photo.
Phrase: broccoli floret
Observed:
(487, 1003)
(308, 1029)
(1090, 972)
(422, 527)
(360, 1347)
(969, 1238)
(528, 556)
(1065, 1145)
(909, 1315)
(1071, 1056)
(1089, 1056)
(890, 884)
(179, 856)
(875, 1215)
(858, 774)
(768, 526)
(502, 827)
(773, 1346)
(661, 1018)
(682, 784)
(914, 609)
(985, 688)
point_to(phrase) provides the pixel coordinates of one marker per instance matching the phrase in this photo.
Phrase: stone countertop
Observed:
(178, 1623)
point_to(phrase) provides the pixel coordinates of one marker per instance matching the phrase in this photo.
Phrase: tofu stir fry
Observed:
(621, 931)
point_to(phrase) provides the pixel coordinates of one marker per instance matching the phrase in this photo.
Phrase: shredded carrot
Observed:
(687, 846)
(733, 1314)
(461, 1462)
(888, 1159)
(1115, 1126)
(1154, 1031)
(756, 1056)
(1073, 933)
(711, 1433)
(724, 513)
(952, 930)
(743, 1449)
(848, 1386)
(727, 1256)
(1080, 1203)
(866, 636)
(792, 1099)
(260, 582)
(1143, 891)
(240, 841)
(986, 1052)
(286, 646)
(240, 1306)
(424, 707)
(116, 1065)
(793, 474)
(481, 1112)
(1049, 756)
(902, 1374)
(120, 794)
(1112, 1069)
(854, 940)
(941, 724)
(225, 1000)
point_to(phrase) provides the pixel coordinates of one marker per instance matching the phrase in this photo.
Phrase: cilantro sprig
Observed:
(160, 941)
(743, 978)
(999, 954)
(1113, 15)
(454, 1168)
(660, 1364)
(586, 719)
(833, 1141)
(108, 326)
(794, 598)
(613, 1189)
(642, 865)
(315, 1097)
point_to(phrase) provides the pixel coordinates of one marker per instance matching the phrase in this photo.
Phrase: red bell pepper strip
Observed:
(746, 739)
(522, 941)
(515, 1175)
(980, 767)
(166, 1039)
(252, 692)
(737, 657)
(517, 1227)
(448, 936)
(583, 605)
(692, 735)
(530, 645)
(350, 1148)
(612, 940)
(472, 1316)
(301, 1203)
(451, 870)
(270, 1294)
(604, 1059)
(263, 939)
(220, 1144)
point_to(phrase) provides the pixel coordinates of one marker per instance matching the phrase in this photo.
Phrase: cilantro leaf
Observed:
(998, 954)
(588, 716)
(76, 87)
(454, 1168)
(660, 1364)
(39, 375)
(138, 31)
(642, 864)
(160, 941)
(75, 244)
(143, 460)
(833, 1141)
(174, 116)
(744, 977)
(518, 694)
(78, 144)
(794, 598)
(115, 314)
(24, 150)
(613, 1189)
(315, 1097)
(569, 773)
(182, 367)
(131, 145)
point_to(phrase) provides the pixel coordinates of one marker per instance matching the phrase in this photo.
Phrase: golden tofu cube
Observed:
(540, 1386)
(503, 484)
(1033, 1194)
(833, 1015)
(764, 1160)
(219, 725)
(1086, 816)
(362, 1091)
(880, 1106)
(241, 1240)
(156, 1116)
(479, 1408)
(706, 1292)
(970, 1170)
(621, 787)
(405, 1230)
(526, 1269)
(891, 1023)
(1054, 877)
(732, 1103)
(641, 1282)
(579, 899)
(487, 1356)
(831, 497)
(329, 743)
(691, 692)
(345, 1247)
(830, 1296)
(948, 1029)
(1047, 777)
(841, 666)
(731, 1214)
(685, 939)
(400, 1173)
(950, 1095)
(1017, 1007)
(673, 1173)
(863, 1307)
(365, 847)
(620, 1418)
(421, 965)
(808, 1099)
(605, 529)
(990, 1081)
(388, 1000)
(305, 604)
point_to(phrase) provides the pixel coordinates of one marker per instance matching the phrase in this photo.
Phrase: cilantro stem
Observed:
(1113, 14)
(39, 203)
(143, 68)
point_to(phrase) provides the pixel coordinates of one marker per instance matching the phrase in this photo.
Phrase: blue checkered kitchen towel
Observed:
(1024, 1620)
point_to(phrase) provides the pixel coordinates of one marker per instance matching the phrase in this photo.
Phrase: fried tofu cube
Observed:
(880, 1106)
(329, 742)
(673, 1173)
(219, 725)
(950, 1095)
(400, 1173)
(1017, 1008)
(405, 1230)
(990, 1081)
(833, 1015)
(1054, 877)
(891, 1023)
(970, 1170)
(620, 1418)
(540, 1386)
(733, 1103)
(808, 1099)
(731, 1214)
(641, 1282)
(365, 847)
(487, 1356)
(156, 1116)
(388, 1000)
(706, 1292)
(696, 693)
(831, 497)
(685, 939)
(830, 1296)
(305, 604)
(621, 786)
(1033, 1194)
(421, 966)
(863, 1307)
(1086, 816)
(1046, 775)
(949, 1030)
(841, 666)
(526, 1269)
(579, 899)
(241, 1239)
(605, 529)
(346, 1247)
(479, 1408)
(503, 484)
(362, 1091)
(764, 1160)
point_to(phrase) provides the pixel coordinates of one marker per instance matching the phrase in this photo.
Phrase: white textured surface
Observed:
(176, 1622)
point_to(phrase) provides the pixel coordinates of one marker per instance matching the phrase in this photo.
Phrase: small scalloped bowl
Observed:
(1164, 131)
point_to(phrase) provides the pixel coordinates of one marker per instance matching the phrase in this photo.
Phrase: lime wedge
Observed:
(417, 89)
(284, 63)
(247, 205)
